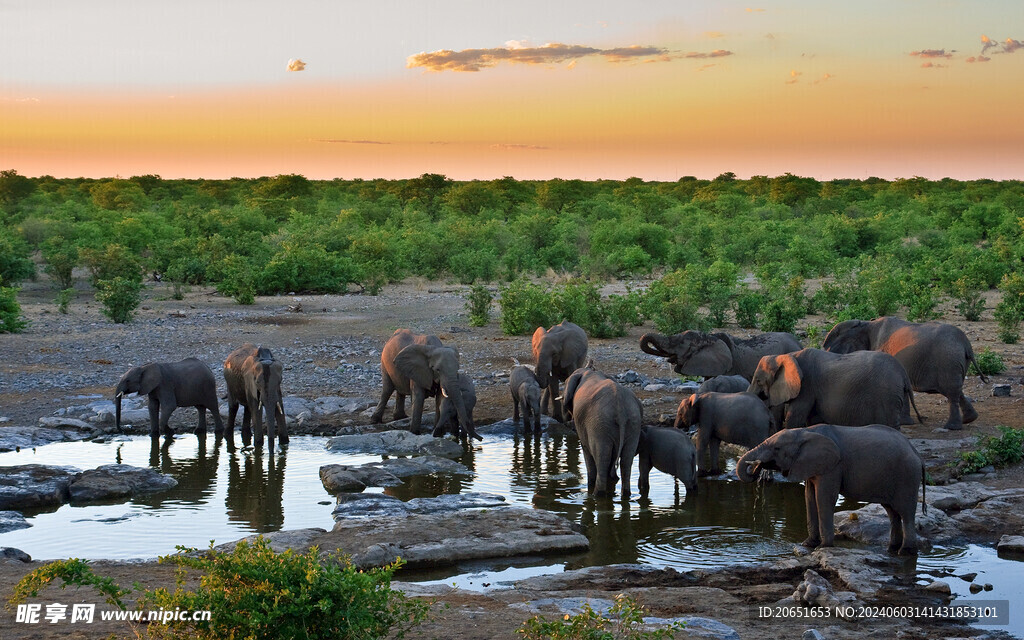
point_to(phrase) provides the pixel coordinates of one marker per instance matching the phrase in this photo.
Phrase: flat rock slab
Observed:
(870, 525)
(117, 482)
(1011, 545)
(387, 473)
(508, 427)
(397, 443)
(12, 521)
(32, 486)
(14, 438)
(380, 505)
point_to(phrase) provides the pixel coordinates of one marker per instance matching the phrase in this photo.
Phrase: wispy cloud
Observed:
(714, 34)
(986, 44)
(333, 141)
(794, 76)
(520, 147)
(973, 59)
(717, 53)
(933, 65)
(1010, 45)
(933, 53)
(515, 52)
(296, 65)
(750, 10)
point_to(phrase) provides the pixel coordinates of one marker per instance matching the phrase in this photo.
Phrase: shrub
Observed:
(15, 264)
(64, 297)
(786, 304)
(114, 261)
(624, 621)
(119, 297)
(61, 256)
(470, 265)
(967, 293)
(238, 279)
(253, 592)
(748, 305)
(478, 303)
(997, 451)
(581, 302)
(524, 307)
(1010, 310)
(10, 311)
(670, 306)
(990, 363)
(306, 268)
(627, 309)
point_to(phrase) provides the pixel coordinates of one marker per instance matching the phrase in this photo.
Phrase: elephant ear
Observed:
(787, 380)
(708, 356)
(150, 380)
(691, 413)
(816, 456)
(414, 363)
(538, 336)
(572, 383)
(848, 336)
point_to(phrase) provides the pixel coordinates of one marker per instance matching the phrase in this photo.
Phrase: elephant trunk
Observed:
(649, 344)
(465, 420)
(748, 467)
(117, 410)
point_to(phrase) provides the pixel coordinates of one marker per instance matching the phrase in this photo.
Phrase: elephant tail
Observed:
(909, 391)
(924, 490)
(970, 356)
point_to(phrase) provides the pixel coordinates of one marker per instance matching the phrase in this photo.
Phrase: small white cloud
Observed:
(296, 64)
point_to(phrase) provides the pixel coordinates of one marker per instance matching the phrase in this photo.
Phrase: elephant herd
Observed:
(762, 393)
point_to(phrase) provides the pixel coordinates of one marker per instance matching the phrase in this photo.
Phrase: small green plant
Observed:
(64, 297)
(11, 320)
(990, 363)
(239, 280)
(478, 303)
(967, 293)
(524, 307)
(997, 451)
(815, 336)
(253, 592)
(114, 261)
(61, 257)
(748, 309)
(1008, 324)
(1010, 310)
(624, 621)
(120, 298)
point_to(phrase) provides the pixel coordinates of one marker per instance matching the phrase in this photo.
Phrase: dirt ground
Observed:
(332, 346)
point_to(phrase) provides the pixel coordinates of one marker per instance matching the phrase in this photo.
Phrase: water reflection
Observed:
(255, 496)
(196, 474)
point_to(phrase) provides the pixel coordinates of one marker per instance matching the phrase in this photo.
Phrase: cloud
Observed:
(520, 147)
(749, 10)
(296, 65)
(705, 67)
(932, 65)
(794, 77)
(978, 59)
(717, 53)
(515, 52)
(824, 78)
(986, 44)
(1010, 45)
(933, 53)
(714, 34)
(331, 141)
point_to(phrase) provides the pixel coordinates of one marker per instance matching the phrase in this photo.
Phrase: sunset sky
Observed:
(531, 89)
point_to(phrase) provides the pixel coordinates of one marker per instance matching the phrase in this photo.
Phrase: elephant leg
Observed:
(515, 409)
(954, 422)
(588, 459)
(385, 395)
(909, 528)
(400, 406)
(895, 529)
(716, 468)
(556, 406)
(905, 414)
(418, 398)
(166, 408)
(702, 450)
(826, 492)
(810, 501)
(218, 422)
(201, 427)
(625, 470)
(154, 418)
(970, 415)
(246, 426)
(644, 481)
(545, 397)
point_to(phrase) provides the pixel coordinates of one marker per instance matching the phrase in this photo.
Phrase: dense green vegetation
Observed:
(880, 246)
(996, 451)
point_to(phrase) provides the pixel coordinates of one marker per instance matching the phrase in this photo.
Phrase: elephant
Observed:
(447, 416)
(695, 353)
(608, 418)
(525, 396)
(866, 463)
(670, 451)
(169, 385)
(559, 351)
(724, 384)
(420, 366)
(935, 356)
(253, 379)
(737, 418)
(864, 387)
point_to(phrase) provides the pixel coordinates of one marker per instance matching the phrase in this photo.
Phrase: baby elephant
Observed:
(737, 418)
(525, 396)
(868, 464)
(169, 385)
(669, 451)
(724, 384)
(448, 416)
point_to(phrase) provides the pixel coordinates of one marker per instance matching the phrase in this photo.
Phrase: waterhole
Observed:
(223, 496)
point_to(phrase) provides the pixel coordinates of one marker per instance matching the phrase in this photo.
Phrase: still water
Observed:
(222, 496)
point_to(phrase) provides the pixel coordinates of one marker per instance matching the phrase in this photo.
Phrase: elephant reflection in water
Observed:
(612, 534)
(197, 476)
(255, 494)
(433, 485)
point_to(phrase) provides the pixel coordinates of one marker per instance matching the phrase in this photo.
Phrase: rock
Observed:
(279, 541)
(975, 588)
(655, 387)
(1003, 514)
(1011, 545)
(816, 591)
(968, 577)
(368, 505)
(697, 627)
(1000, 390)
(870, 525)
(337, 478)
(34, 486)
(988, 587)
(939, 586)
(864, 572)
(397, 443)
(508, 427)
(12, 521)
(610, 577)
(455, 502)
(13, 438)
(566, 606)
(58, 422)
(141, 416)
(812, 634)
(117, 482)
(303, 418)
(294, 405)
(11, 554)
(359, 506)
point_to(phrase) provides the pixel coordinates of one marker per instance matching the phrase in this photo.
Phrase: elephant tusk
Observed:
(559, 398)
(119, 395)
(443, 392)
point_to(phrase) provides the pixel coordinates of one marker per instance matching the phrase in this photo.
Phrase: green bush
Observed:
(748, 308)
(120, 298)
(15, 264)
(997, 451)
(478, 303)
(309, 269)
(967, 293)
(114, 261)
(61, 256)
(1010, 310)
(626, 310)
(581, 302)
(238, 279)
(670, 306)
(471, 265)
(624, 621)
(63, 300)
(786, 302)
(11, 320)
(524, 307)
(990, 363)
(252, 592)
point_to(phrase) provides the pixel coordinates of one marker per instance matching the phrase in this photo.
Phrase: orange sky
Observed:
(764, 92)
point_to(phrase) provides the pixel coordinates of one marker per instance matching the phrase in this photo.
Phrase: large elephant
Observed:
(558, 351)
(869, 464)
(737, 418)
(935, 356)
(608, 418)
(865, 387)
(670, 451)
(695, 353)
(420, 366)
(169, 385)
(253, 379)
(447, 416)
(525, 391)
(724, 384)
